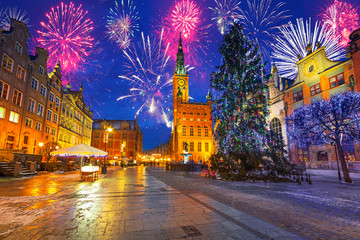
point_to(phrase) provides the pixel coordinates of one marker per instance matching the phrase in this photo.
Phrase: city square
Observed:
(184, 119)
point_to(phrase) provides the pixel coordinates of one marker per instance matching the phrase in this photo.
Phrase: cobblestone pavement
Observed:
(124, 204)
(324, 210)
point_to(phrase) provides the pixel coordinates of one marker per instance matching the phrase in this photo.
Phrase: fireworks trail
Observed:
(186, 17)
(121, 23)
(225, 13)
(262, 19)
(343, 18)
(66, 36)
(8, 13)
(150, 82)
(294, 41)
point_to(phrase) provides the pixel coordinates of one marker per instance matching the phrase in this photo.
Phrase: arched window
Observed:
(275, 125)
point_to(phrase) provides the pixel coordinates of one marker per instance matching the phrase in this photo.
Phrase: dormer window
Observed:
(41, 70)
(18, 48)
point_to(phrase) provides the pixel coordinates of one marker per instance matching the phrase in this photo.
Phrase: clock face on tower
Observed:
(181, 82)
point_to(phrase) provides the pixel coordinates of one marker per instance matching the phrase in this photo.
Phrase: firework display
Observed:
(187, 18)
(122, 23)
(8, 13)
(66, 35)
(262, 19)
(149, 81)
(343, 18)
(292, 45)
(225, 14)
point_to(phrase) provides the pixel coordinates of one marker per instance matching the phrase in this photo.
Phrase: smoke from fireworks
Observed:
(66, 36)
(186, 17)
(8, 13)
(121, 23)
(262, 20)
(343, 18)
(150, 83)
(294, 41)
(225, 13)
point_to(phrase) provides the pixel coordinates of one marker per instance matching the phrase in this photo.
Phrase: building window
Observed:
(206, 147)
(52, 97)
(47, 129)
(124, 135)
(191, 131)
(34, 83)
(10, 142)
(57, 103)
(7, 62)
(18, 48)
(337, 80)
(20, 73)
(192, 146)
(303, 155)
(206, 132)
(28, 122)
(275, 125)
(184, 130)
(55, 118)
(17, 97)
(4, 90)
(41, 70)
(26, 140)
(31, 105)
(43, 90)
(38, 126)
(110, 143)
(49, 115)
(2, 112)
(14, 117)
(199, 146)
(315, 89)
(40, 110)
(199, 131)
(298, 96)
(53, 131)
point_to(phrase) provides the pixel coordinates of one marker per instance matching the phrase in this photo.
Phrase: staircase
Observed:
(7, 168)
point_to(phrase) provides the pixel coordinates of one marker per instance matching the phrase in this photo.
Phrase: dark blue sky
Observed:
(101, 82)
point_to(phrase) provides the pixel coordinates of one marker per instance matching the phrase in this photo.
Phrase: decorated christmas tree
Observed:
(242, 104)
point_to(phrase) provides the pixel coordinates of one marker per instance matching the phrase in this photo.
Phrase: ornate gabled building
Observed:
(75, 119)
(192, 122)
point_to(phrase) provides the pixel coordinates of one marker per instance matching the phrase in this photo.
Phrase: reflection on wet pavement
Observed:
(125, 204)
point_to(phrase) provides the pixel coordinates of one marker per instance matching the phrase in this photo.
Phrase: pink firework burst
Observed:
(66, 35)
(186, 17)
(343, 17)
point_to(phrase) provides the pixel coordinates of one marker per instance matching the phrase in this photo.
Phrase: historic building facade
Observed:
(75, 119)
(120, 138)
(318, 78)
(27, 93)
(192, 122)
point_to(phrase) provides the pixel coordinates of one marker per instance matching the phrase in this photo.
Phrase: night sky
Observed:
(102, 86)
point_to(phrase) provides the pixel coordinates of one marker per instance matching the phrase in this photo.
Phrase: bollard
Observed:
(302, 177)
(307, 178)
(310, 180)
(298, 180)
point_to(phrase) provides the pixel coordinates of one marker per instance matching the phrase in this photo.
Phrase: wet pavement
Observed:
(149, 203)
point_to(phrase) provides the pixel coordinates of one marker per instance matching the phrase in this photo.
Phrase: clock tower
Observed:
(181, 77)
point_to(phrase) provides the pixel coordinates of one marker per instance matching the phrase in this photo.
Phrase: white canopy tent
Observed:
(81, 150)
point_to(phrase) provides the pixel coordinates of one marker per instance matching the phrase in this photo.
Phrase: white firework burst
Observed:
(225, 14)
(9, 13)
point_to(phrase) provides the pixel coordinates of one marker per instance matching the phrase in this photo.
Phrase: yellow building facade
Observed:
(192, 124)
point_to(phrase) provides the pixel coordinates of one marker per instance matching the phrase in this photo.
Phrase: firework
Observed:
(150, 83)
(121, 23)
(186, 17)
(8, 13)
(343, 18)
(225, 13)
(262, 19)
(294, 41)
(66, 36)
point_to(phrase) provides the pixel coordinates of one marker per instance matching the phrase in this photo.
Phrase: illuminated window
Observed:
(55, 118)
(17, 97)
(34, 83)
(206, 147)
(57, 103)
(38, 126)
(52, 97)
(18, 48)
(43, 90)
(199, 131)
(20, 73)
(303, 155)
(275, 125)
(2, 112)
(184, 130)
(40, 110)
(315, 89)
(4, 90)
(206, 132)
(191, 131)
(31, 105)
(199, 146)
(192, 147)
(7, 62)
(49, 115)
(14, 117)
(298, 96)
(28, 122)
(337, 80)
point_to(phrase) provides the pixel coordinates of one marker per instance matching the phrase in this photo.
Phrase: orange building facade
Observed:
(192, 122)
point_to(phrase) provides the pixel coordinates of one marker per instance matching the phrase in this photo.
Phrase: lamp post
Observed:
(108, 131)
(337, 162)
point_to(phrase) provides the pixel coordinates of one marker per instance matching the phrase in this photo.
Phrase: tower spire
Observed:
(180, 59)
